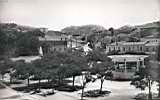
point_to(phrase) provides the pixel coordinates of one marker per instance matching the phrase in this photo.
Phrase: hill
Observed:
(16, 27)
(83, 30)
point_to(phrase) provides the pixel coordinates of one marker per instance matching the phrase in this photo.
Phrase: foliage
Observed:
(27, 44)
(17, 40)
(23, 70)
(5, 65)
(3, 42)
(100, 65)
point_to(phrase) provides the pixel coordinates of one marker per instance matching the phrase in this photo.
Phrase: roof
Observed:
(134, 43)
(152, 44)
(150, 37)
(118, 43)
(54, 33)
(127, 43)
(59, 42)
(26, 58)
(131, 58)
(52, 38)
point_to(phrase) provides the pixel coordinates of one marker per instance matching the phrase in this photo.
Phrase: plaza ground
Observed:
(120, 90)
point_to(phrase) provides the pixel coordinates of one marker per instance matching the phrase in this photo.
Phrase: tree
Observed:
(27, 44)
(145, 76)
(103, 71)
(155, 68)
(112, 31)
(73, 70)
(100, 65)
(96, 55)
(158, 65)
(86, 78)
(24, 71)
(3, 42)
(5, 65)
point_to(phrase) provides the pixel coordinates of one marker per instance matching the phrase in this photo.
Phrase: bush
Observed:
(1, 86)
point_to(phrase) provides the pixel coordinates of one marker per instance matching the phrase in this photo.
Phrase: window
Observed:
(118, 48)
(147, 49)
(109, 49)
(153, 49)
(133, 48)
(141, 48)
(129, 49)
(123, 48)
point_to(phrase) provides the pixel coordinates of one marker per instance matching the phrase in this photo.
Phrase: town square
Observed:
(79, 50)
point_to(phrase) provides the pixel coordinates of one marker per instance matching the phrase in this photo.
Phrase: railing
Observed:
(123, 70)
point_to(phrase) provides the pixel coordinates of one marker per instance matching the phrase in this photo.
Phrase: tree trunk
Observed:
(28, 82)
(150, 93)
(2, 76)
(48, 80)
(82, 92)
(10, 79)
(52, 84)
(39, 84)
(73, 81)
(100, 91)
(159, 89)
(59, 80)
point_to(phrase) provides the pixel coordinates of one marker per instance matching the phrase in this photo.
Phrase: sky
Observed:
(58, 14)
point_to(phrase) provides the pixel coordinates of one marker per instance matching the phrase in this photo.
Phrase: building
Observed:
(151, 45)
(125, 66)
(144, 46)
(124, 47)
(53, 41)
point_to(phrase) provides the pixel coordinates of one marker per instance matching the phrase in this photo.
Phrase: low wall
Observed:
(122, 75)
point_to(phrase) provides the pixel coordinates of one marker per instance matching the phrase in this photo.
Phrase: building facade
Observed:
(151, 45)
(145, 46)
(53, 41)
